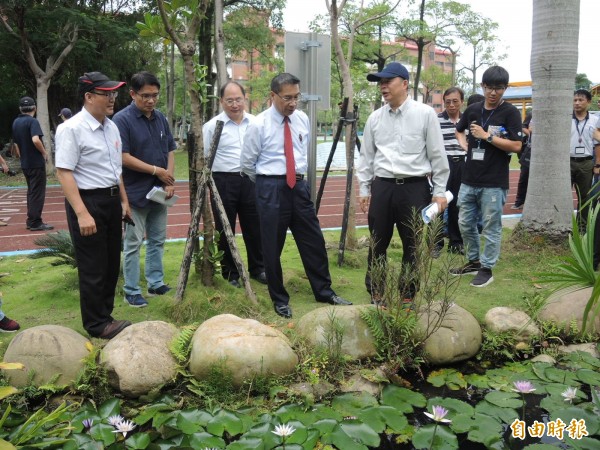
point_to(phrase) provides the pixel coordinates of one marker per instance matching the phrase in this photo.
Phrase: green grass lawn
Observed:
(37, 293)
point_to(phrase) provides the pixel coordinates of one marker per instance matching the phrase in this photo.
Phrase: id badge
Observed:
(478, 154)
(579, 150)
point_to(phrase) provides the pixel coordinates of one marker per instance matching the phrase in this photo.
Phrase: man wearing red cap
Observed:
(88, 163)
(403, 149)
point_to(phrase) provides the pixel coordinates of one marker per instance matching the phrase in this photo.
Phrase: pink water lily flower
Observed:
(439, 412)
(524, 387)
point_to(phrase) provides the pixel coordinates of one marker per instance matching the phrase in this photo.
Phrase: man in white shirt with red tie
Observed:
(275, 156)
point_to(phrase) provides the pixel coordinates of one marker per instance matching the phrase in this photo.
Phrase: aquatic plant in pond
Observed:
(487, 406)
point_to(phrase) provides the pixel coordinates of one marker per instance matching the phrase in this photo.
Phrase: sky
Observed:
(514, 30)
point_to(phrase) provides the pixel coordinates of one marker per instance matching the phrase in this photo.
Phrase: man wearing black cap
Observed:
(65, 114)
(88, 163)
(27, 134)
(403, 149)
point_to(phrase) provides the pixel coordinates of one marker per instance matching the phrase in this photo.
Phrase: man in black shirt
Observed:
(27, 134)
(494, 133)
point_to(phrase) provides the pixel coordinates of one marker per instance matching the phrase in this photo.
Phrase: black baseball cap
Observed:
(66, 113)
(26, 101)
(392, 70)
(96, 80)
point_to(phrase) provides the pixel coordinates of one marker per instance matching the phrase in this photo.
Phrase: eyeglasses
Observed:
(110, 95)
(289, 98)
(147, 97)
(232, 101)
(494, 88)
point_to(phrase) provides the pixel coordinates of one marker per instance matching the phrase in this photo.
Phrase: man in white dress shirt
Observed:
(275, 155)
(88, 167)
(402, 147)
(235, 188)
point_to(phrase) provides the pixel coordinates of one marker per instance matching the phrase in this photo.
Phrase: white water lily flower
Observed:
(570, 394)
(124, 427)
(524, 387)
(439, 412)
(283, 430)
(115, 420)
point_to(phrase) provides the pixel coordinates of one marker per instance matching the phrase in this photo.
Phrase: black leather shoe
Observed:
(283, 310)
(261, 278)
(235, 283)
(42, 227)
(114, 328)
(336, 300)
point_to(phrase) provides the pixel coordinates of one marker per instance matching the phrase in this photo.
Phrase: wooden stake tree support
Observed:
(206, 180)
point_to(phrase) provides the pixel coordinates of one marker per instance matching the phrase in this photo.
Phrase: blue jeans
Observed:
(2, 315)
(150, 221)
(473, 201)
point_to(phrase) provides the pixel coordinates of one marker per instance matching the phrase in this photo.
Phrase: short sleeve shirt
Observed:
(23, 129)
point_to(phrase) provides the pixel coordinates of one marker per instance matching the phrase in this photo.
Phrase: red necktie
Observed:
(288, 147)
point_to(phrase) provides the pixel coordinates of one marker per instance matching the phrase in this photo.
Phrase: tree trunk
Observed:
(549, 203)
(220, 44)
(343, 62)
(420, 47)
(42, 85)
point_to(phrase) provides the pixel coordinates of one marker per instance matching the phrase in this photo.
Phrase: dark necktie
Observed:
(288, 147)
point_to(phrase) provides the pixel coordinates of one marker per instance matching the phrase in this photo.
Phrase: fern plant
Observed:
(181, 345)
(56, 245)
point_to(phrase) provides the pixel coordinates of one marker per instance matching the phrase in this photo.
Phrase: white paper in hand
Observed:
(159, 195)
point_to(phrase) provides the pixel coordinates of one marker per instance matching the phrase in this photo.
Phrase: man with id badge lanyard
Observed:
(582, 151)
(494, 134)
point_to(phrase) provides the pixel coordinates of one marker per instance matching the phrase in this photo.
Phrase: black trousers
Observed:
(457, 165)
(394, 205)
(36, 195)
(522, 186)
(239, 199)
(280, 208)
(98, 257)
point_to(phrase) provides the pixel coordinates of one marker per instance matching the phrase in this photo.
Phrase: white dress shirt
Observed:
(584, 130)
(404, 143)
(227, 158)
(91, 150)
(263, 152)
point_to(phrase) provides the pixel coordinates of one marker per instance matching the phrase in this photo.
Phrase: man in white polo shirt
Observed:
(88, 167)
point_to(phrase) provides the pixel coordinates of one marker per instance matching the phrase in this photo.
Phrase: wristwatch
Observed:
(489, 138)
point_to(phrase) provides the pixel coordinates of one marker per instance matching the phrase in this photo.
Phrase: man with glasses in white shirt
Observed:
(88, 167)
(235, 188)
(275, 155)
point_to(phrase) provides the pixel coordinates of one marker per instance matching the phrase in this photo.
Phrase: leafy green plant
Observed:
(181, 344)
(578, 267)
(56, 245)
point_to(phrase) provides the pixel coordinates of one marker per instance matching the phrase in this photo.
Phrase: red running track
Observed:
(13, 207)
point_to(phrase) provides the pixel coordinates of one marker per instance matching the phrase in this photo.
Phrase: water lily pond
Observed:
(533, 406)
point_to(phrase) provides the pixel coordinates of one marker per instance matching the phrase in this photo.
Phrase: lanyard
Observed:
(580, 133)
(483, 124)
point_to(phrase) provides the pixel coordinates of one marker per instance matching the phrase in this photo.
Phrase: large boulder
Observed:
(567, 305)
(47, 350)
(244, 347)
(357, 340)
(138, 359)
(456, 334)
(503, 319)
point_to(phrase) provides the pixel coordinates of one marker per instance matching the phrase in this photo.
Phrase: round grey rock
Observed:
(138, 359)
(504, 319)
(458, 336)
(567, 305)
(47, 350)
(357, 340)
(244, 347)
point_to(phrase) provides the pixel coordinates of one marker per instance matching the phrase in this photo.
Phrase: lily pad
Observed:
(206, 440)
(402, 399)
(225, 421)
(138, 441)
(377, 417)
(350, 404)
(561, 376)
(504, 415)
(435, 437)
(504, 399)
(592, 420)
(588, 376)
(451, 378)
(352, 436)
